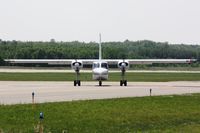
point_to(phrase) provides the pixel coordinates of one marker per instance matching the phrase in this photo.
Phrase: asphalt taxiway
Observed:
(15, 92)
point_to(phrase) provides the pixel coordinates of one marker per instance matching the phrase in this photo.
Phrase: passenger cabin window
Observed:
(96, 65)
(104, 65)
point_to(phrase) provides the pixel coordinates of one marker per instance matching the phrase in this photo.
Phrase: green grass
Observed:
(144, 114)
(159, 77)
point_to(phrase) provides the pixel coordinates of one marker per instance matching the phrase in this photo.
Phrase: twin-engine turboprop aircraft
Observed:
(99, 66)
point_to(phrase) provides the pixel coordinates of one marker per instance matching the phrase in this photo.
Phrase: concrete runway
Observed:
(14, 92)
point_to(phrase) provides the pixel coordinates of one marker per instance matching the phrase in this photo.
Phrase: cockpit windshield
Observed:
(104, 65)
(96, 65)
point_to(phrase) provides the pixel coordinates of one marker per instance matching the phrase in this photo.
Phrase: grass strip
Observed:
(143, 114)
(143, 77)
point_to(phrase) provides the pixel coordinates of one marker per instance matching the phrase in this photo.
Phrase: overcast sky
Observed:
(175, 21)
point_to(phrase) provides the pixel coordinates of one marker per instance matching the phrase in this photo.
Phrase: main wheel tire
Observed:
(100, 83)
(74, 82)
(125, 82)
(79, 83)
(121, 83)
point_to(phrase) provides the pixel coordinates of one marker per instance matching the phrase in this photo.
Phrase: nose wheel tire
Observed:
(77, 82)
(123, 82)
(100, 83)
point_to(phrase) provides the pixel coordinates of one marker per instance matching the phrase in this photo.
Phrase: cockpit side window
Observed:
(104, 65)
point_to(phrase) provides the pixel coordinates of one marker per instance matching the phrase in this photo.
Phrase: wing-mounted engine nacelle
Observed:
(123, 65)
(77, 65)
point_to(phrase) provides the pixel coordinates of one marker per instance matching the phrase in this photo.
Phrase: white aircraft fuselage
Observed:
(100, 70)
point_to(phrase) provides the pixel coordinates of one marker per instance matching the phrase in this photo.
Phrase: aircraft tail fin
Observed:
(100, 56)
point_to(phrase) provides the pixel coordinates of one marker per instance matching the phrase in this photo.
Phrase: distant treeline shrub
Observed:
(118, 50)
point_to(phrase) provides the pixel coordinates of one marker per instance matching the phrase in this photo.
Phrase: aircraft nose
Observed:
(101, 72)
(104, 72)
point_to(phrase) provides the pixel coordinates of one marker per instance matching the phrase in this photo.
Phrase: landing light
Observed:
(41, 116)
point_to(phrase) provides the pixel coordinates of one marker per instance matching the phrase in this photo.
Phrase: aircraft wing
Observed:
(49, 61)
(150, 61)
(90, 61)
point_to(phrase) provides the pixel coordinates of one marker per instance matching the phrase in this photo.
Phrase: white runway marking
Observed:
(14, 92)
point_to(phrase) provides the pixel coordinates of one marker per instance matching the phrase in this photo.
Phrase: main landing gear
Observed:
(123, 81)
(77, 81)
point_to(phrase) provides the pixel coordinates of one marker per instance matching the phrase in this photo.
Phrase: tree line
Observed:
(111, 50)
